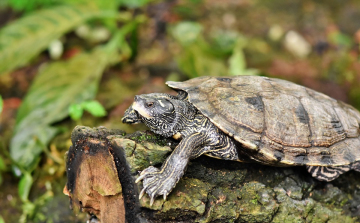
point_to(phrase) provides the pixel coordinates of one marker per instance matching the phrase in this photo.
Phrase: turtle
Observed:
(248, 119)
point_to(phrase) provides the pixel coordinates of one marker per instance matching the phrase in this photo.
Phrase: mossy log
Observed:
(103, 164)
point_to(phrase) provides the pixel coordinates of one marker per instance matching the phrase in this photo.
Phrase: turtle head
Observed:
(160, 112)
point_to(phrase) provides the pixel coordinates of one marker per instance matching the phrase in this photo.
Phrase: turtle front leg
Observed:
(160, 182)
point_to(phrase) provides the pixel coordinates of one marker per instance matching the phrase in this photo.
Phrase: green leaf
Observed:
(27, 6)
(2, 168)
(133, 3)
(223, 42)
(28, 142)
(341, 39)
(76, 111)
(94, 108)
(237, 62)
(25, 186)
(2, 164)
(55, 88)
(2, 219)
(101, 4)
(1, 104)
(195, 62)
(186, 32)
(25, 38)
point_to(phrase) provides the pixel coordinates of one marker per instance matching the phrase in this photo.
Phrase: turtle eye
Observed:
(150, 104)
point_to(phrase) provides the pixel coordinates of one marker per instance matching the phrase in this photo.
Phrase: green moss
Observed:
(214, 190)
(127, 144)
(306, 210)
(291, 210)
(140, 155)
(140, 137)
(321, 214)
(190, 195)
(223, 204)
(330, 195)
(260, 211)
(292, 188)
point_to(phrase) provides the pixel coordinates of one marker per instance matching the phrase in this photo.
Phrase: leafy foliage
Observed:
(200, 57)
(2, 168)
(56, 87)
(186, 33)
(25, 186)
(76, 111)
(26, 37)
(195, 60)
(27, 6)
(133, 3)
(237, 62)
(93, 107)
(1, 104)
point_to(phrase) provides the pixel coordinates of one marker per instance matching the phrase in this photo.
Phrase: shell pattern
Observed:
(278, 122)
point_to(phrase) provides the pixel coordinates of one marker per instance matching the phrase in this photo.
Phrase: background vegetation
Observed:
(69, 62)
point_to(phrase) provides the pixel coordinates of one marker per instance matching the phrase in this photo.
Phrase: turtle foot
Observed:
(155, 183)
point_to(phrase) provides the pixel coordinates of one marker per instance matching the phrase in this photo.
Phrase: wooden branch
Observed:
(102, 166)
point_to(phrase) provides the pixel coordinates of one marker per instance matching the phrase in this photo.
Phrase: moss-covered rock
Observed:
(141, 155)
(226, 191)
(223, 205)
(291, 210)
(189, 194)
(258, 203)
(330, 195)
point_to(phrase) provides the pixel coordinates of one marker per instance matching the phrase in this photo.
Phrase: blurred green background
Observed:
(70, 62)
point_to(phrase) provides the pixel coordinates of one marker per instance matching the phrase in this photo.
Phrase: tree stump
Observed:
(102, 166)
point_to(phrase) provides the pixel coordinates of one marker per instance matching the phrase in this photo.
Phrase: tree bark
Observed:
(102, 166)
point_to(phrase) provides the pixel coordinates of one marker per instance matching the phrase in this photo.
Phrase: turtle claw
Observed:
(152, 200)
(142, 193)
(155, 183)
(142, 176)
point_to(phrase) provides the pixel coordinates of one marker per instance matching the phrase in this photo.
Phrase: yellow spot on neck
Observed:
(177, 136)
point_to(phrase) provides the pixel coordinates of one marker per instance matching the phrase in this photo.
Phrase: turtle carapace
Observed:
(248, 118)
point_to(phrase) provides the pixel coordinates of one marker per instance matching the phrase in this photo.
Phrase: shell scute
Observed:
(286, 121)
(326, 128)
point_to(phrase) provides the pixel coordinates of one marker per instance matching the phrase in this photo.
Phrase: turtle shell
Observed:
(278, 122)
